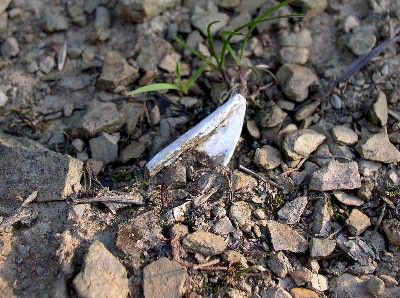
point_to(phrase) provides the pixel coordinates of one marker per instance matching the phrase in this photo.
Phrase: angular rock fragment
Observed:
(102, 275)
(116, 72)
(291, 212)
(140, 10)
(27, 166)
(283, 237)
(295, 81)
(164, 278)
(303, 293)
(202, 18)
(301, 143)
(344, 135)
(377, 147)
(379, 111)
(357, 222)
(279, 264)
(391, 227)
(321, 247)
(104, 148)
(205, 243)
(267, 157)
(322, 216)
(348, 199)
(336, 175)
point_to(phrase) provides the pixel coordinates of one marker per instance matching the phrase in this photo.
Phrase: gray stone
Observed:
(242, 181)
(389, 281)
(321, 247)
(47, 64)
(294, 55)
(344, 135)
(379, 111)
(253, 129)
(348, 285)
(240, 213)
(291, 212)
(133, 150)
(205, 243)
(267, 157)
(377, 147)
(27, 166)
(116, 72)
(3, 5)
(283, 237)
(102, 24)
(295, 81)
(76, 12)
(336, 175)
(280, 22)
(361, 41)
(132, 112)
(301, 276)
(102, 275)
(101, 117)
(104, 148)
(223, 226)
(336, 102)
(279, 264)
(91, 5)
(78, 145)
(319, 283)
(10, 48)
(375, 286)
(54, 19)
(3, 99)
(202, 18)
(95, 166)
(379, 6)
(357, 222)
(82, 156)
(303, 293)
(276, 292)
(322, 217)
(228, 3)
(391, 227)
(306, 110)
(301, 39)
(311, 8)
(271, 117)
(348, 199)
(141, 10)
(368, 168)
(169, 61)
(164, 278)
(301, 143)
(286, 104)
(237, 21)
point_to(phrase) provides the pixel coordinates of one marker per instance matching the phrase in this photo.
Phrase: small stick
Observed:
(379, 221)
(100, 200)
(295, 168)
(250, 172)
(208, 264)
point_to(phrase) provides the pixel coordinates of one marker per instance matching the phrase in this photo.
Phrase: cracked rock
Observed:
(102, 275)
(205, 243)
(336, 175)
(377, 147)
(292, 241)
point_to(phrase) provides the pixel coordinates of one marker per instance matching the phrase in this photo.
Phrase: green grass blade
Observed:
(193, 78)
(183, 44)
(153, 87)
(211, 42)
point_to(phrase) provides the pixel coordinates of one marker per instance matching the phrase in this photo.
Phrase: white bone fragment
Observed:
(216, 135)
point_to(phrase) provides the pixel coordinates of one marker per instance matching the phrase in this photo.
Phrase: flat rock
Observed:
(291, 212)
(301, 276)
(348, 199)
(205, 243)
(116, 72)
(202, 18)
(295, 81)
(321, 247)
(132, 112)
(223, 226)
(347, 285)
(279, 264)
(368, 168)
(336, 175)
(267, 157)
(357, 222)
(344, 135)
(133, 150)
(306, 110)
(300, 39)
(276, 292)
(251, 128)
(303, 293)
(3, 5)
(271, 117)
(27, 166)
(102, 275)
(322, 215)
(55, 20)
(291, 241)
(379, 111)
(104, 148)
(301, 143)
(294, 55)
(319, 283)
(240, 213)
(137, 11)
(391, 227)
(102, 117)
(242, 181)
(164, 278)
(377, 147)
(361, 41)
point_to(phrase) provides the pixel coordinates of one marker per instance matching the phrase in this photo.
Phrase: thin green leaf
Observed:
(193, 78)
(192, 51)
(211, 42)
(153, 87)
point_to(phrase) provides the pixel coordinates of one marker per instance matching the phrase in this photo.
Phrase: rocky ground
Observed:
(308, 207)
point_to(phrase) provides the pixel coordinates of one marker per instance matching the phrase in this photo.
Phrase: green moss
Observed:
(392, 191)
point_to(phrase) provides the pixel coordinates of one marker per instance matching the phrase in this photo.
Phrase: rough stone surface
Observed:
(267, 157)
(361, 41)
(206, 243)
(292, 241)
(279, 264)
(242, 181)
(357, 222)
(27, 166)
(3, 5)
(301, 143)
(377, 147)
(322, 216)
(375, 286)
(391, 227)
(295, 81)
(104, 148)
(291, 212)
(10, 48)
(336, 175)
(240, 213)
(271, 117)
(347, 285)
(379, 111)
(102, 276)
(201, 18)
(303, 293)
(55, 20)
(277, 292)
(133, 150)
(223, 226)
(348, 199)
(116, 72)
(103, 117)
(141, 10)
(321, 247)
(319, 283)
(164, 278)
(344, 135)
(301, 276)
